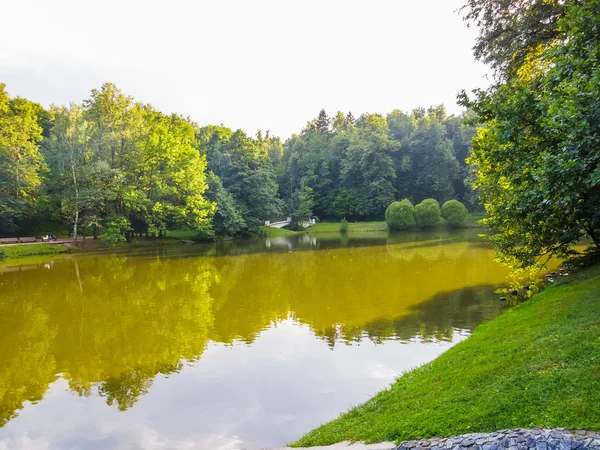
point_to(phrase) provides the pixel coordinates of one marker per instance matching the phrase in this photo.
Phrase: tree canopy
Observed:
(112, 167)
(536, 158)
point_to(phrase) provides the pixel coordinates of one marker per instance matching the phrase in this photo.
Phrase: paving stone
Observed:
(513, 439)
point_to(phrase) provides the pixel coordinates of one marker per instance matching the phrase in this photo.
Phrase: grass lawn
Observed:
(334, 227)
(191, 235)
(21, 251)
(275, 232)
(538, 364)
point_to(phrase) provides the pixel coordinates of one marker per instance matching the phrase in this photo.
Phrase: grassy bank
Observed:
(471, 221)
(275, 232)
(357, 227)
(21, 251)
(538, 364)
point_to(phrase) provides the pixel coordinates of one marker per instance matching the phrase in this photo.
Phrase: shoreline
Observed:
(537, 364)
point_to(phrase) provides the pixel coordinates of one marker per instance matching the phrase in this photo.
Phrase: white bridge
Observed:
(280, 223)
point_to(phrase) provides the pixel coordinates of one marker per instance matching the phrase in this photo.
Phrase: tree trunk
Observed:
(76, 202)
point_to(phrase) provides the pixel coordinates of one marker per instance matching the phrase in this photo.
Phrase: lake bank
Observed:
(471, 221)
(18, 251)
(538, 364)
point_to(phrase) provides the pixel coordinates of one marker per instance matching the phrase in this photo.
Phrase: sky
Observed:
(249, 64)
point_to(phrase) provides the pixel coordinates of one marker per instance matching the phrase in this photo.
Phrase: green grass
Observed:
(275, 232)
(192, 235)
(21, 251)
(334, 227)
(538, 364)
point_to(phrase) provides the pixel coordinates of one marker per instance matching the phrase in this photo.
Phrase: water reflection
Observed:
(111, 326)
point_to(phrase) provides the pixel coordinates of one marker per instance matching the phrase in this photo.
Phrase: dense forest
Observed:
(115, 168)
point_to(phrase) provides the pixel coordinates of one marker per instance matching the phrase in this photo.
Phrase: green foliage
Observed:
(246, 171)
(454, 212)
(536, 160)
(344, 225)
(21, 163)
(509, 32)
(113, 158)
(2, 253)
(302, 203)
(228, 220)
(115, 229)
(110, 156)
(400, 215)
(356, 168)
(534, 366)
(427, 213)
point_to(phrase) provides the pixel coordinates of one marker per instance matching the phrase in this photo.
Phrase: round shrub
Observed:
(427, 213)
(400, 215)
(454, 212)
(2, 253)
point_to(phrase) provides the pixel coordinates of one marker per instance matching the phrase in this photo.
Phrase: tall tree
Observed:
(512, 32)
(20, 160)
(323, 122)
(246, 171)
(537, 159)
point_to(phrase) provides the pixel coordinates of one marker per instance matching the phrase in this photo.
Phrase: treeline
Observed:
(116, 168)
(355, 168)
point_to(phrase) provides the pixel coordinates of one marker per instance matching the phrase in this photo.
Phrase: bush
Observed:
(427, 213)
(454, 212)
(2, 253)
(400, 215)
(344, 225)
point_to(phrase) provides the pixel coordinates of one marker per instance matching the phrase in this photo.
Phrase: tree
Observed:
(228, 220)
(67, 152)
(454, 212)
(427, 213)
(368, 168)
(400, 215)
(537, 158)
(511, 32)
(323, 122)
(21, 163)
(428, 166)
(339, 122)
(350, 120)
(245, 170)
(301, 206)
(126, 168)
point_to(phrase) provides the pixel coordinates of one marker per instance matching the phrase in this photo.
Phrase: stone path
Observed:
(517, 439)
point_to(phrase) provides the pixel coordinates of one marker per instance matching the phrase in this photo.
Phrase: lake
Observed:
(239, 344)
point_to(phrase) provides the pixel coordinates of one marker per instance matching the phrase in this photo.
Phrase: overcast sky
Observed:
(250, 64)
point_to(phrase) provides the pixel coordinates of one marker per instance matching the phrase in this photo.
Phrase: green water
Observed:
(234, 345)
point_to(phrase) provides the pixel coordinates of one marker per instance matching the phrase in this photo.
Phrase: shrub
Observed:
(400, 215)
(2, 253)
(427, 213)
(344, 225)
(454, 212)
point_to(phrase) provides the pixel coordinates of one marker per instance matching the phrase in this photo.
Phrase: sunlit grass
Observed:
(21, 251)
(538, 364)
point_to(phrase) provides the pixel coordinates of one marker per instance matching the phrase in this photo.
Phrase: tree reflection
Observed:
(110, 324)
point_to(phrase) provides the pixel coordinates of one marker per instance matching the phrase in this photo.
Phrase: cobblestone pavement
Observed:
(517, 439)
